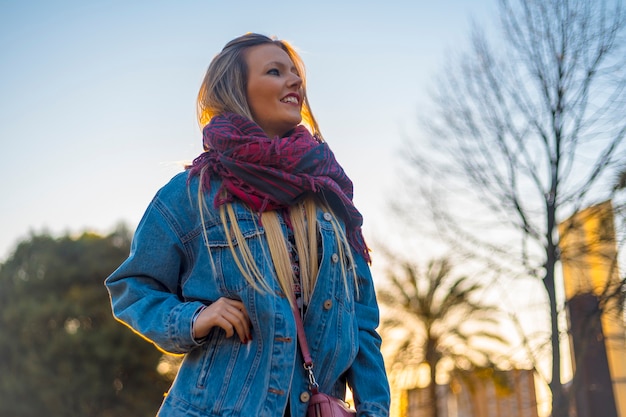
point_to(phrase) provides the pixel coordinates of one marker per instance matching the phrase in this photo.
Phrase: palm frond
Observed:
(441, 315)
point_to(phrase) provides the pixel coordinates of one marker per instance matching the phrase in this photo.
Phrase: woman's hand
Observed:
(228, 314)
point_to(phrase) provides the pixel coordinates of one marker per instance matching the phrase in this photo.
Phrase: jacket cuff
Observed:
(180, 325)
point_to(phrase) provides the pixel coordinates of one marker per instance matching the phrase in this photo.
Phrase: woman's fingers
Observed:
(239, 320)
(239, 323)
(227, 314)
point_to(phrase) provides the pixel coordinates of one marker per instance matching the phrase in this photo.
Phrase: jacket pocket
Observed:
(226, 253)
(225, 369)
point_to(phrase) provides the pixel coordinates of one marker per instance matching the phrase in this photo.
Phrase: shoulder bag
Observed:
(320, 404)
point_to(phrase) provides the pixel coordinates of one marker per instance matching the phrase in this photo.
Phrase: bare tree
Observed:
(619, 186)
(529, 125)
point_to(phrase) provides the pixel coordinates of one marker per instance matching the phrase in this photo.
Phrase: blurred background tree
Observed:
(433, 317)
(61, 351)
(619, 186)
(527, 127)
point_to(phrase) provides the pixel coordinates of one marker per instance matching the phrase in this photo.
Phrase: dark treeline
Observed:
(61, 351)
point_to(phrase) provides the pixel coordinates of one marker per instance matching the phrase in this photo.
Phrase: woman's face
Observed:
(274, 89)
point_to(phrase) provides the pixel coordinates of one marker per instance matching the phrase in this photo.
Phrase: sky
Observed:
(97, 98)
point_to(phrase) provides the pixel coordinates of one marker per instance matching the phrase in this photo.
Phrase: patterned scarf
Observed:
(273, 174)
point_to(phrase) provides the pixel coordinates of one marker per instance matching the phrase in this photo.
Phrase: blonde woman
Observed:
(263, 220)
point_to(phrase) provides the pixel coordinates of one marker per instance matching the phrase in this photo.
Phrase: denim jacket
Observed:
(169, 275)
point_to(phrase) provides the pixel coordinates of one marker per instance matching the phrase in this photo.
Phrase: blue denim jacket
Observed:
(169, 275)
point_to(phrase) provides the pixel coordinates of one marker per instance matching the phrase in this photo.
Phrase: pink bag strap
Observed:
(304, 348)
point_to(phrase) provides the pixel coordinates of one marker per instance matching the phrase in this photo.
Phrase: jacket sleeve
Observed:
(367, 377)
(144, 289)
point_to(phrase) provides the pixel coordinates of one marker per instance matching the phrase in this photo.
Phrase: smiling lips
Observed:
(291, 98)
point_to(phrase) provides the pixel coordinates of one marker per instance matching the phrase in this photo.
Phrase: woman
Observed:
(262, 220)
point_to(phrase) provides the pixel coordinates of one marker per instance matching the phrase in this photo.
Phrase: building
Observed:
(481, 393)
(597, 332)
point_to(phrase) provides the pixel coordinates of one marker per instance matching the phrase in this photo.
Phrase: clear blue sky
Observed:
(97, 98)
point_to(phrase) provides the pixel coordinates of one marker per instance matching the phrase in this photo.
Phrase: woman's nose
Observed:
(295, 80)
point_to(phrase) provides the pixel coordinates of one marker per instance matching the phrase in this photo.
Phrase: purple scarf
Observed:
(273, 174)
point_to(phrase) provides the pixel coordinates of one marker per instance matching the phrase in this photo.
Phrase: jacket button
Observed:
(328, 304)
(334, 258)
(328, 217)
(304, 397)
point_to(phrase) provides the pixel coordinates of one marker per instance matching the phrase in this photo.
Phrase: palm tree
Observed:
(433, 317)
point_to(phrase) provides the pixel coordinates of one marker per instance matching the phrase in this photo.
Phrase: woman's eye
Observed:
(274, 71)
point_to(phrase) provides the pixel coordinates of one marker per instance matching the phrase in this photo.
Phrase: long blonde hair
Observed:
(224, 90)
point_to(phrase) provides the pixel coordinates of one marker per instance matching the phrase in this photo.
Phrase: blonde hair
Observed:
(224, 90)
(224, 86)
(303, 220)
(304, 223)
